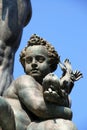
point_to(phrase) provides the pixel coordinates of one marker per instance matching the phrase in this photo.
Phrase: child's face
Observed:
(37, 62)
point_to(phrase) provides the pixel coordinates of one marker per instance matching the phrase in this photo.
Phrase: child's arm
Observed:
(30, 93)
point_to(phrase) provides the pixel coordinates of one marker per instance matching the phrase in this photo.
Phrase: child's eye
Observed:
(40, 59)
(29, 60)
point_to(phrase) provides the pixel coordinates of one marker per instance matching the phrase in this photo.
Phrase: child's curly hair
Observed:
(53, 55)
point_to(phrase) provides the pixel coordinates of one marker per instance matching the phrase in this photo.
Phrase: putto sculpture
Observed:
(39, 100)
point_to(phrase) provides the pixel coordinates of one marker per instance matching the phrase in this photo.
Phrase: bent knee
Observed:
(55, 124)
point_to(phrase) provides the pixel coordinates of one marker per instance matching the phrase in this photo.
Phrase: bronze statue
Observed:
(39, 100)
(14, 16)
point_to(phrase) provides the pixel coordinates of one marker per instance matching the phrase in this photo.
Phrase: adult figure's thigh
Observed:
(7, 120)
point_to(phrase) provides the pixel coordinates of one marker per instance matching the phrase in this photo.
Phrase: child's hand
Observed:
(53, 97)
(52, 91)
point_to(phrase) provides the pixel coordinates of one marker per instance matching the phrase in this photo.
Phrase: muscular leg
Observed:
(14, 15)
(7, 121)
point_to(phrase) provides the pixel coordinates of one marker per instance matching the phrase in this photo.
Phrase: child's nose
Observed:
(34, 63)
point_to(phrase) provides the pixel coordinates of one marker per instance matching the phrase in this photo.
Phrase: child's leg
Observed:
(55, 124)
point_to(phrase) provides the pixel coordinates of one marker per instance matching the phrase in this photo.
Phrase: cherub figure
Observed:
(26, 97)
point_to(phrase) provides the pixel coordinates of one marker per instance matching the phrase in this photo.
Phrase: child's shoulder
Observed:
(25, 81)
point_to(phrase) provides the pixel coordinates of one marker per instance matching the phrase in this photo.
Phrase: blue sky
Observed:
(64, 24)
